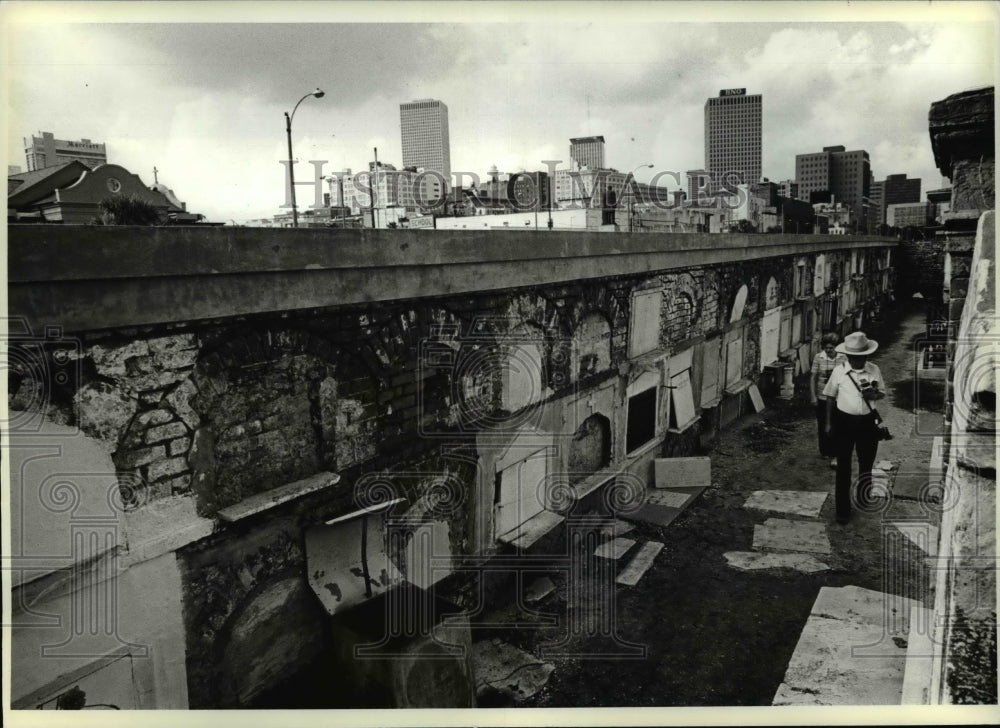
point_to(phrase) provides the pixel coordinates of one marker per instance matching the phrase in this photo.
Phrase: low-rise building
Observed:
(767, 210)
(383, 186)
(941, 199)
(73, 193)
(568, 219)
(587, 187)
(910, 214)
(833, 218)
(655, 218)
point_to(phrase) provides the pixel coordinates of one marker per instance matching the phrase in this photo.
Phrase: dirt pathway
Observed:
(715, 635)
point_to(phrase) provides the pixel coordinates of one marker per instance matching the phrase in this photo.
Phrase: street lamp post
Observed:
(291, 169)
(631, 197)
(548, 184)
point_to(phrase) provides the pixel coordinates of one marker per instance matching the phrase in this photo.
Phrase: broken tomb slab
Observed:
(779, 534)
(506, 669)
(787, 502)
(614, 549)
(757, 561)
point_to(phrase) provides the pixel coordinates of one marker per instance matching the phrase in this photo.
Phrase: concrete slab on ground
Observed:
(907, 510)
(881, 483)
(656, 512)
(935, 464)
(845, 656)
(640, 563)
(614, 549)
(617, 528)
(787, 502)
(922, 535)
(779, 534)
(657, 515)
(529, 532)
(910, 483)
(508, 670)
(917, 673)
(757, 561)
(670, 498)
(539, 589)
(689, 472)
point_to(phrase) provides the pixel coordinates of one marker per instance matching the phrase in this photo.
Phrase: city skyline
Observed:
(516, 93)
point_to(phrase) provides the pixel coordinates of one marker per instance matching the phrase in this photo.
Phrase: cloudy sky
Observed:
(199, 92)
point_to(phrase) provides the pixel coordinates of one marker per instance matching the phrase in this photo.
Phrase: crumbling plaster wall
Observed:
(214, 412)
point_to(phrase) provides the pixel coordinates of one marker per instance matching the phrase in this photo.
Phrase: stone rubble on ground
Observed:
(508, 670)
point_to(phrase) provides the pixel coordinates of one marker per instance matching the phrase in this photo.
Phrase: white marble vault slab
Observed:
(787, 502)
(778, 534)
(845, 654)
(615, 548)
(756, 561)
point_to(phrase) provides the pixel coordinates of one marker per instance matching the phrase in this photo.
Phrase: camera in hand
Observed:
(881, 429)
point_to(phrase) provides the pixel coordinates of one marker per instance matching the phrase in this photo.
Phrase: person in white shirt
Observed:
(823, 364)
(852, 387)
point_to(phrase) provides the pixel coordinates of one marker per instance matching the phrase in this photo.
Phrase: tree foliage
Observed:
(127, 210)
(742, 226)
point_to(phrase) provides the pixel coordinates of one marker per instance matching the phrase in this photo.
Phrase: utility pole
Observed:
(375, 189)
(548, 178)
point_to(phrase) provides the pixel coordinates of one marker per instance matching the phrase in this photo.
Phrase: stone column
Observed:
(964, 638)
(961, 131)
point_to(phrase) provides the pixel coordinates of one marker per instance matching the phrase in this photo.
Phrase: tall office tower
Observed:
(846, 176)
(877, 210)
(733, 139)
(899, 189)
(895, 189)
(587, 152)
(47, 151)
(423, 127)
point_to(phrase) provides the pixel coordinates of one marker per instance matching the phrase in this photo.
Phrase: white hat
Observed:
(857, 344)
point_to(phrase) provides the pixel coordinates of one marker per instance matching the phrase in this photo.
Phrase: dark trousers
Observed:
(850, 433)
(827, 448)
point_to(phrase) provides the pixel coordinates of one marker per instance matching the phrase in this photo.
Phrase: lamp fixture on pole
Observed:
(291, 170)
(631, 196)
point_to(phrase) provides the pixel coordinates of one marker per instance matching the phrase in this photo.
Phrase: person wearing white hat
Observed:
(852, 387)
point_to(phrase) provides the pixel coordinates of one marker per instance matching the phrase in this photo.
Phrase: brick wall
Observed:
(921, 268)
(225, 410)
(222, 409)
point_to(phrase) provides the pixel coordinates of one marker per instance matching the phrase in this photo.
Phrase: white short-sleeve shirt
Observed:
(849, 399)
